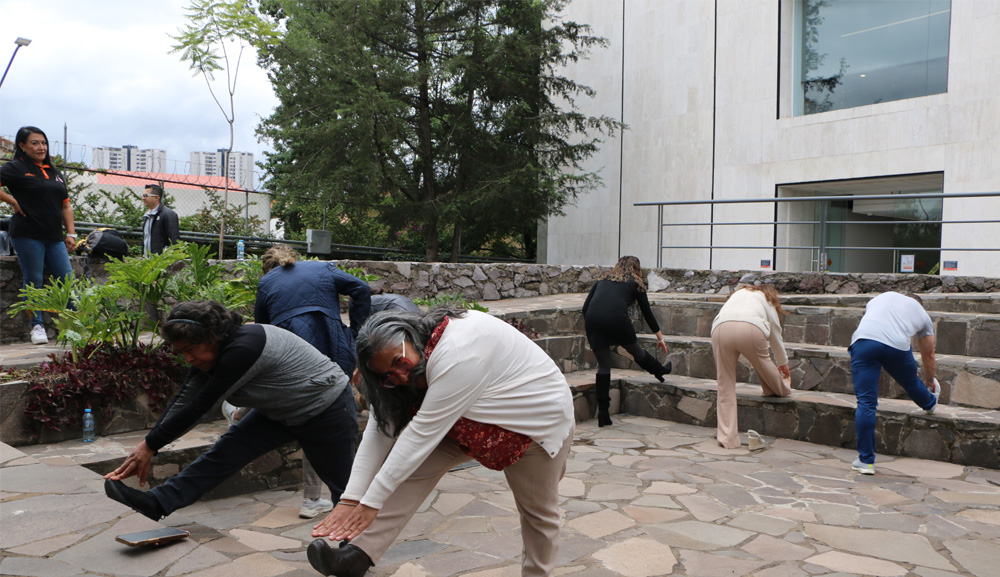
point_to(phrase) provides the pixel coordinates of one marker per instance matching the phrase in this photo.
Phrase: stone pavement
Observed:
(644, 497)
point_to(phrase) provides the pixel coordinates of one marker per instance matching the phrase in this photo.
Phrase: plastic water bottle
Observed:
(88, 426)
(240, 250)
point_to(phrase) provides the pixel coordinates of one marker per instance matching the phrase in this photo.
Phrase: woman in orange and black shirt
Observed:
(37, 194)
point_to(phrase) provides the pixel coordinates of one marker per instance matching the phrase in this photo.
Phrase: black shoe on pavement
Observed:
(347, 561)
(603, 417)
(140, 501)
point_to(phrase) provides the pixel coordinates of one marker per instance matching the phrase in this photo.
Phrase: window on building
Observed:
(865, 229)
(851, 53)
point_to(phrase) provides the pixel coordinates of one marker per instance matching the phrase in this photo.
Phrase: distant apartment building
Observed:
(241, 168)
(130, 158)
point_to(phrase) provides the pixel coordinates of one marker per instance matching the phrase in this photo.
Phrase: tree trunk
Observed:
(456, 242)
(426, 143)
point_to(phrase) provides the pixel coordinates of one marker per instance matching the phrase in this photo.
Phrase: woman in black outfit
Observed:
(40, 202)
(605, 315)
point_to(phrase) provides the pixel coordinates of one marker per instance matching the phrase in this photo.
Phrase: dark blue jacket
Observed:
(304, 298)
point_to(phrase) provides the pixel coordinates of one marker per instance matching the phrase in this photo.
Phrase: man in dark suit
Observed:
(160, 227)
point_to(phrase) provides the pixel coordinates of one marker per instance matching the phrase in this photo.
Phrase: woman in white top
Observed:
(445, 387)
(749, 320)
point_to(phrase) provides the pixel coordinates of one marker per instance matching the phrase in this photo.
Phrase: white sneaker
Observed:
(863, 468)
(229, 412)
(936, 391)
(38, 336)
(313, 507)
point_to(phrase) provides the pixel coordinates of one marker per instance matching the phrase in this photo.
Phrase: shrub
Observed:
(448, 299)
(101, 379)
(116, 313)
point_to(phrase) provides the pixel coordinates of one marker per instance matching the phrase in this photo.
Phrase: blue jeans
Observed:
(868, 358)
(328, 441)
(35, 256)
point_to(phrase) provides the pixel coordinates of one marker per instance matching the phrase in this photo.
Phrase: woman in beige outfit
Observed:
(749, 320)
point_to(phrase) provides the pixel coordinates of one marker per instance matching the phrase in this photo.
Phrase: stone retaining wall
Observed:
(488, 282)
(897, 433)
(132, 415)
(957, 334)
(971, 384)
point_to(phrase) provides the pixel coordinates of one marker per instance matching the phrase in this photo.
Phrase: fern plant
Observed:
(450, 299)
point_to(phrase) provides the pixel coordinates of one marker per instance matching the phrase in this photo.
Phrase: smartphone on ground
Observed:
(153, 537)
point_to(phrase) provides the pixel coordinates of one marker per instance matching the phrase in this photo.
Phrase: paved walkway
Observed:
(643, 497)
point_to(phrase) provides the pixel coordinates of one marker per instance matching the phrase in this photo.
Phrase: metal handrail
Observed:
(260, 242)
(823, 198)
(822, 248)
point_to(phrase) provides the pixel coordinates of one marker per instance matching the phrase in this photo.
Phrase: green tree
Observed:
(214, 26)
(446, 116)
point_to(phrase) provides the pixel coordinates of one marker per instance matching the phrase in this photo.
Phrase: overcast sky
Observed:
(104, 68)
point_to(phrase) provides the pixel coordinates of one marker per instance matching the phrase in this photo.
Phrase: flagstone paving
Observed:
(641, 498)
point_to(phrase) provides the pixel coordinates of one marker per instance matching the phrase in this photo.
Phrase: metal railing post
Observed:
(659, 236)
(822, 237)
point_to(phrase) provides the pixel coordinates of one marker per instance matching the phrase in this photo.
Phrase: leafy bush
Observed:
(118, 312)
(448, 299)
(108, 364)
(102, 379)
(359, 272)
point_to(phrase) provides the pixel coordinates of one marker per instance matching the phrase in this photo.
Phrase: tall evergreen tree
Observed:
(443, 116)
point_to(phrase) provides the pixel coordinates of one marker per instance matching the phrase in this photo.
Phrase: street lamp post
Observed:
(20, 42)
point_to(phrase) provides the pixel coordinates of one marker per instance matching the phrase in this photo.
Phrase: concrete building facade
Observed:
(771, 99)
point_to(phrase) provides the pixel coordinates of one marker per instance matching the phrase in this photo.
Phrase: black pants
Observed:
(328, 440)
(604, 356)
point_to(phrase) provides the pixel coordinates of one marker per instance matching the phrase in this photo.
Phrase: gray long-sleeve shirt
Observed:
(262, 367)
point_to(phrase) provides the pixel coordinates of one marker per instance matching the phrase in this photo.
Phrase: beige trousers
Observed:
(730, 340)
(534, 481)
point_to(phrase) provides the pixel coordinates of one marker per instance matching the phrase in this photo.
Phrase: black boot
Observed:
(649, 363)
(347, 561)
(137, 500)
(603, 399)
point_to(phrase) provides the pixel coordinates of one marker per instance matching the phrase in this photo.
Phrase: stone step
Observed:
(965, 381)
(975, 303)
(958, 333)
(959, 435)
(279, 468)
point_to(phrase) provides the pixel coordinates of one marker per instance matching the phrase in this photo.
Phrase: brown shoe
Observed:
(347, 561)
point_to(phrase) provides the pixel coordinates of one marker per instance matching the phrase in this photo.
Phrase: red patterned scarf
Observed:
(494, 447)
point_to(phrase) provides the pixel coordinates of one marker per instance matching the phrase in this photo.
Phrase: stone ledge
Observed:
(279, 468)
(954, 434)
(959, 333)
(964, 381)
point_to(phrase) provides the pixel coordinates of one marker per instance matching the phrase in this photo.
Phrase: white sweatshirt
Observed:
(482, 369)
(750, 306)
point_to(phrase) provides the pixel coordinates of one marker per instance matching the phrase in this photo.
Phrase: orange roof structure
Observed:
(188, 181)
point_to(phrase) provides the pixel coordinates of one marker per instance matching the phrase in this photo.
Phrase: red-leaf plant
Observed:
(102, 380)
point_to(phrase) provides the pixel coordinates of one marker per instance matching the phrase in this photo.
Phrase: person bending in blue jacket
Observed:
(304, 298)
